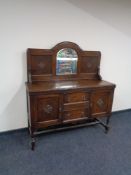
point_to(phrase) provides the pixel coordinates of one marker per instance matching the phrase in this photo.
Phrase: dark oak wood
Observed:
(58, 100)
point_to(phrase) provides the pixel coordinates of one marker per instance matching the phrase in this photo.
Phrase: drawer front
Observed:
(76, 97)
(75, 115)
(74, 106)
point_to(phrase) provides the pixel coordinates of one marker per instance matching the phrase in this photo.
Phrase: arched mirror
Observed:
(66, 61)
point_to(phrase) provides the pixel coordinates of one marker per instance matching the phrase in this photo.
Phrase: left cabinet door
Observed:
(47, 110)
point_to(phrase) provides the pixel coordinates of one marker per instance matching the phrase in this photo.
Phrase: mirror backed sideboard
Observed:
(65, 89)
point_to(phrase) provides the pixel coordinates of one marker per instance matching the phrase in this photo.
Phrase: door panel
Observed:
(48, 108)
(101, 103)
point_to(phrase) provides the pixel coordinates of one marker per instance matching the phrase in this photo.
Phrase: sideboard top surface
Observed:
(65, 85)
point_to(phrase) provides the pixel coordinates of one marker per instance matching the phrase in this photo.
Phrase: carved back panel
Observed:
(42, 63)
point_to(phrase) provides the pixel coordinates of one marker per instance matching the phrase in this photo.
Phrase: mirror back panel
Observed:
(65, 61)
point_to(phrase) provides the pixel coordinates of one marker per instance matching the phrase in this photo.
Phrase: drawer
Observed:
(76, 97)
(78, 105)
(75, 114)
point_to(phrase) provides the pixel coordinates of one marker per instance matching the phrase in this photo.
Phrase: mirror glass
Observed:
(66, 62)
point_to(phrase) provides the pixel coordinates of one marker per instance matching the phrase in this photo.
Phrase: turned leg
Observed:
(32, 143)
(108, 120)
(32, 130)
(107, 124)
(103, 124)
(106, 129)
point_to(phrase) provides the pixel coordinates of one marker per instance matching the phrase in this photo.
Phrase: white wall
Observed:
(42, 24)
(116, 13)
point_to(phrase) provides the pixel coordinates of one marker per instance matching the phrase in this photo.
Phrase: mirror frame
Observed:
(68, 58)
(61, 46)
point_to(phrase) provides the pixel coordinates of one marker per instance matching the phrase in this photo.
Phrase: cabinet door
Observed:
(48, 110)
(101, 103)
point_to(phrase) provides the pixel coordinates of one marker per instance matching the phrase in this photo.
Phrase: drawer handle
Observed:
(68, 99)
(68, 115)
(48, 109)
(83, 114)
(60, 109)
(84, 98)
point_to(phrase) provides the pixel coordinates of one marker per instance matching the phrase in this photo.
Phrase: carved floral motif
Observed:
(48, 109)
(41, 65)
(100, 102)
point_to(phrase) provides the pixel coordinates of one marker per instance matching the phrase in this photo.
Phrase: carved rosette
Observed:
(89, 65)
(48, 109)
(41, 65)
(100, 103)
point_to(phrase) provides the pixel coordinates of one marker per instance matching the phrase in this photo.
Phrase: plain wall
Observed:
(42, 24)
(116, 13)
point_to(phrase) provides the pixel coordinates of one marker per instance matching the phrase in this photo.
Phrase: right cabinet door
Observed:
(101, 102)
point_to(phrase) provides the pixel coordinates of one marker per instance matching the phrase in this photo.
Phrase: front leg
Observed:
(32, 130)
(32, 143)
(108, 120)
(107, 124)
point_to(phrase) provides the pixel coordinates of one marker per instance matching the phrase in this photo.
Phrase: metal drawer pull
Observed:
(68, 99)
(60, 109)
(68, 115)
(84, 97)
(83, 114)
